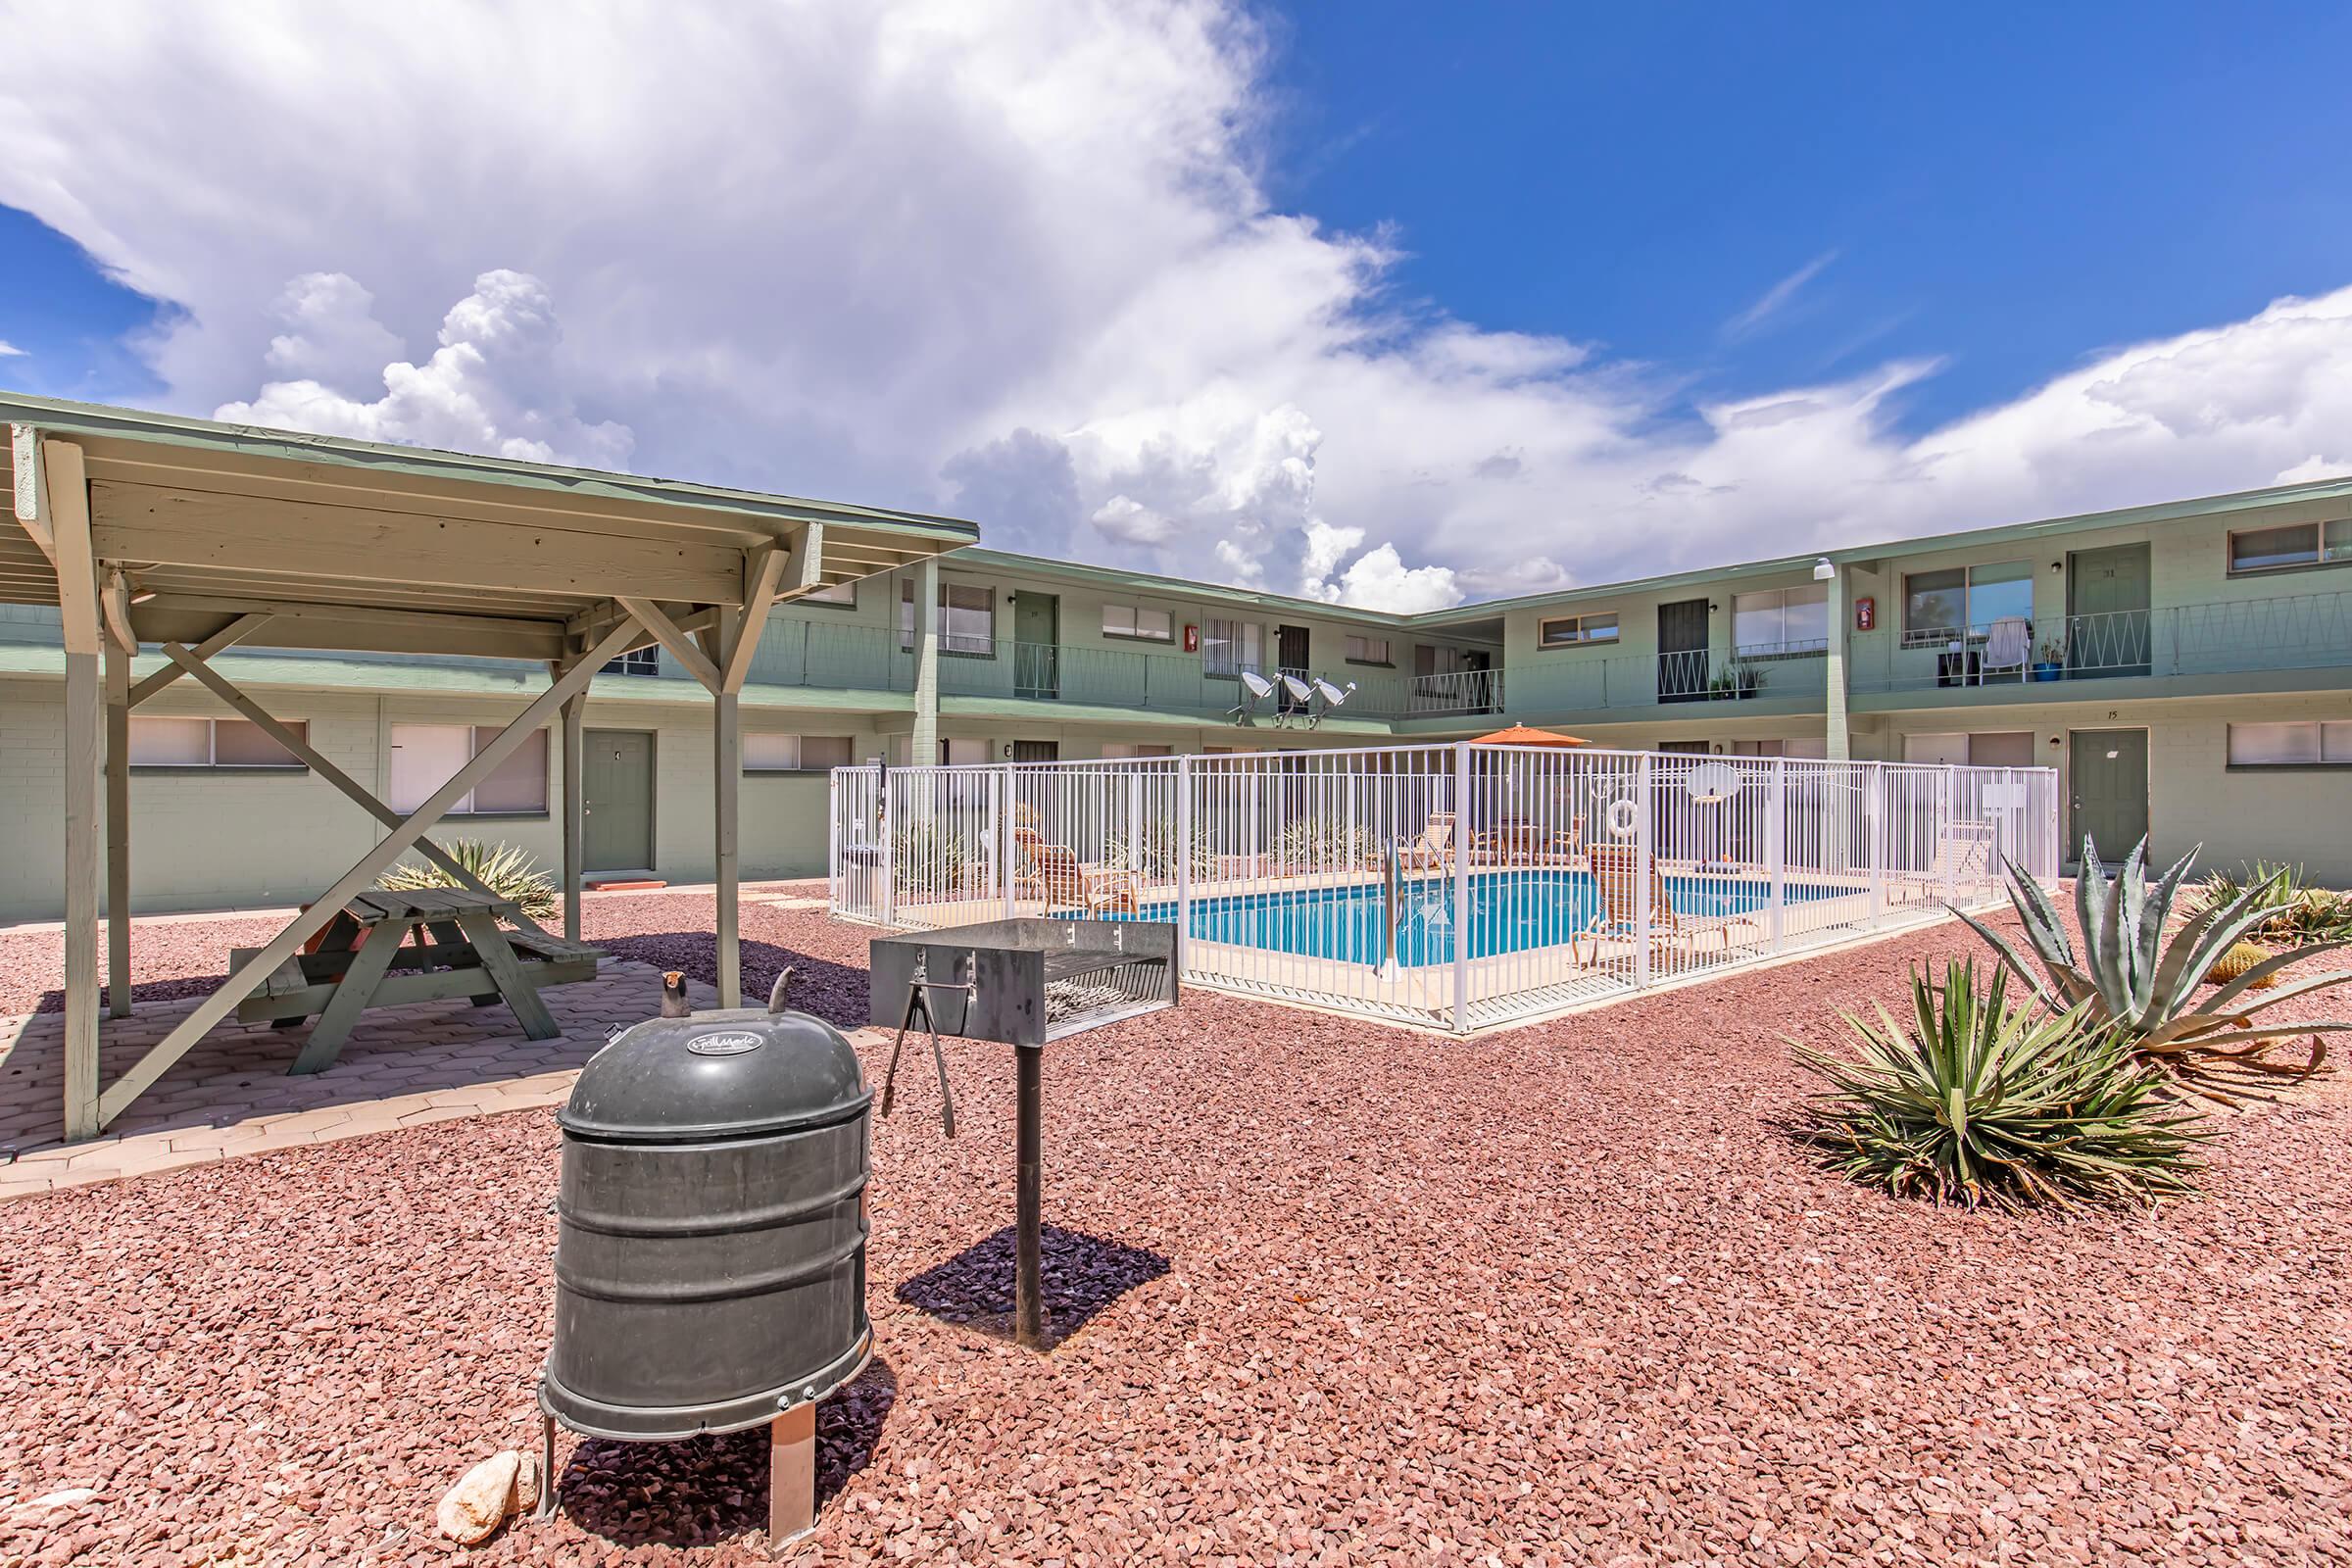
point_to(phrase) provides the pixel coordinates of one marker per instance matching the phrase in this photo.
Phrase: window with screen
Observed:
(1137, 622)
(2295, 544)
(1571, 631)
(425, 757)
(2313, 743)
(1229, 647)
(1781, 621)
(967, 618)
(794, 753)
(1367, 650)
(229, 742)
(1964, 602)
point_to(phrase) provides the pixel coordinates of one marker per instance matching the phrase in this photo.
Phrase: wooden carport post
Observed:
(738, 638)
(576, 804)
(118, 828)
(53, 501)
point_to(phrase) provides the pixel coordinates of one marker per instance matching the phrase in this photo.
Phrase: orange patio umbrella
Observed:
(1522, 735)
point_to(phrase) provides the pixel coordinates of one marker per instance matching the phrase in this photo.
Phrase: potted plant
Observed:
(2052, 662)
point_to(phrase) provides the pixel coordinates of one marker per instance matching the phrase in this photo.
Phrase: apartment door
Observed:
(617, 797)
(1478, 677)
(1681, 650)
(2106, 612)
(1037, 644)
(2108, 777)
(1291, 657)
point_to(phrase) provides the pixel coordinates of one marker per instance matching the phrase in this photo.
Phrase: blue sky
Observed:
(2009, 197)
(1389, 303)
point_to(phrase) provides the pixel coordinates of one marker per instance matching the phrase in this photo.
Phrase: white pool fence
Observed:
(1455, 886)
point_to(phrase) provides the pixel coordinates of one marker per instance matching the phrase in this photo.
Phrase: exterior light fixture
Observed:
(1823, 571)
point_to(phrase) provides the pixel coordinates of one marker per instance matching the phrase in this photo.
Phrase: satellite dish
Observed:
(1712, 782)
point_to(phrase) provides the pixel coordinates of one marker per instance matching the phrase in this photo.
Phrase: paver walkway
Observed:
(404, 1066)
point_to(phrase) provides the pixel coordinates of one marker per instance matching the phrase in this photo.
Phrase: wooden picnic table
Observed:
(459, 950)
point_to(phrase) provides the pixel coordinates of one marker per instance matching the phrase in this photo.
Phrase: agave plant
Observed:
(1986, 1104)
(2135, 983)
(2308, 913)
(502, 868)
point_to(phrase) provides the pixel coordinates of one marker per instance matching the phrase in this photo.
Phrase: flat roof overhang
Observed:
(350, 545)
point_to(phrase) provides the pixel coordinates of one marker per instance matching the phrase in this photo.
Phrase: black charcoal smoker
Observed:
(711, 1253)
(1024, 983)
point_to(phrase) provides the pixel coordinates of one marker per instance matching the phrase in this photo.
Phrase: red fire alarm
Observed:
(1866, 613)
(1191, 639)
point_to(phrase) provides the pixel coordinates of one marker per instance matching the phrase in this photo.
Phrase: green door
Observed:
(2106, 612)
(1036, 645)
(2109, 780)
(617, 793)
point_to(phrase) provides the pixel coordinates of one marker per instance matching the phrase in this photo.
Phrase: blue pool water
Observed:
(1508, 914)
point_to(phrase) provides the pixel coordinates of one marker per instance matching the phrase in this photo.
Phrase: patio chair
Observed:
(1431, 848)
(1963, 858)
(1615, 867)
(1255, 689)
(2007, 646)
(1054, 875)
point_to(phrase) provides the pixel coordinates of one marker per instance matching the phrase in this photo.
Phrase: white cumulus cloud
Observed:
(1014, 260)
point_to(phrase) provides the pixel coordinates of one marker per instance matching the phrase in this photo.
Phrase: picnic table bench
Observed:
(363, 960)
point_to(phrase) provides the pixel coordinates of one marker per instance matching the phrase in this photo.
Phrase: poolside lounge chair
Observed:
(1052, 874)
(1431, 848)
(1964, 858)
(1615, 867)
(1520, 842)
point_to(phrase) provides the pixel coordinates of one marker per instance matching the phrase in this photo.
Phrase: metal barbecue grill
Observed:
(1023, 983)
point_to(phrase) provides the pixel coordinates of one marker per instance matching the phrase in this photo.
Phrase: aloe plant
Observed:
(1991, 1105)
(2145, 989)
(502, 868)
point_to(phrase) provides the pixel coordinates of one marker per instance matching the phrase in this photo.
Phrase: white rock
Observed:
(476, 1505)
(526, 1484)
(71, 1497)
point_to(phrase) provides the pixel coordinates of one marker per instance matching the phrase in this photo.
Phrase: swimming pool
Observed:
(1510, 913)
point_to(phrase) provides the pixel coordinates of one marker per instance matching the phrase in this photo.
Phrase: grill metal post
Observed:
(1028, 1289)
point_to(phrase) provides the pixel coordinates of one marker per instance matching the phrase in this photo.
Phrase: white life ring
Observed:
(1625, 815)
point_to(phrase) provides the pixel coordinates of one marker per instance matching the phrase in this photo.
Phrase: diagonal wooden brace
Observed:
(671, 637)
(240, 984)
(236, 632)
(293, 741)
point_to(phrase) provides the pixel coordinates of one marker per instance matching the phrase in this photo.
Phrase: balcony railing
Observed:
(2292, 631)
(1572, 683)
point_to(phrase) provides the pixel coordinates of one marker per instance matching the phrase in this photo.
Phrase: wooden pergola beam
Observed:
(32, 501)
(171, 617)
(764, 571)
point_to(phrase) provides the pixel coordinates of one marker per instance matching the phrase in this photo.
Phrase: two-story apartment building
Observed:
(2187, 667)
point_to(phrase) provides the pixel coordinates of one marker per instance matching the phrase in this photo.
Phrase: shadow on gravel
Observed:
(706, 1490)
(1083, 1275)
(833, 992)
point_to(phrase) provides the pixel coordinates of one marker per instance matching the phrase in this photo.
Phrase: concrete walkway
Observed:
(232, 1095)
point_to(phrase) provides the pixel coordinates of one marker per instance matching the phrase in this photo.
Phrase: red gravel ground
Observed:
(1345, 1295)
